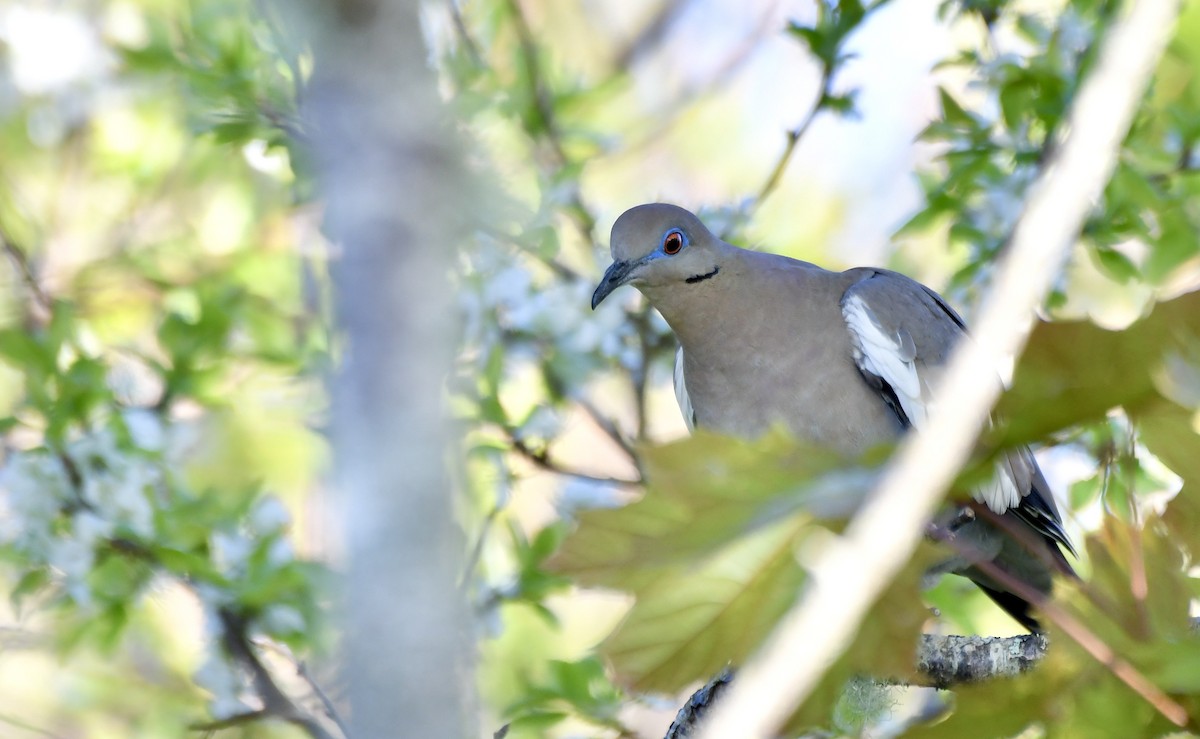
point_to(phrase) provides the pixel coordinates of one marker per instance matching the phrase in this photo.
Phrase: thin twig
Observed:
(327, 703)
(1138, 585)
(41, 300)
(1186, 164)
(609, 427)
(1089, 641)
(477, 548)
(26, 727)
(276, 703)
(666, 115)
(942, 661)
(283, 123)
(290, 59)
(542, 99)
(464, 35)
(649, 344)
(793, 139)
(544, 106)
(137, 212)
(651, 34)
(563, 271)
(239, 719)
(542, 459)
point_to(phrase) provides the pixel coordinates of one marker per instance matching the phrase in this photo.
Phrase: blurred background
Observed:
(166, 329)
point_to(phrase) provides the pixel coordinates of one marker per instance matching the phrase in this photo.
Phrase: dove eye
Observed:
(672, 242)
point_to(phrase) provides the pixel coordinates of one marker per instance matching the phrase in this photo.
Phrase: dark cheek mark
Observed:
(701, 278)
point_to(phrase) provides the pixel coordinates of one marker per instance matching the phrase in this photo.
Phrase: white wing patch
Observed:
(681, 393)
(1000, 493)
(891, 358)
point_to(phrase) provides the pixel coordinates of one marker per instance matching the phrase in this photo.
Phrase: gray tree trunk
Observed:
(393, 185)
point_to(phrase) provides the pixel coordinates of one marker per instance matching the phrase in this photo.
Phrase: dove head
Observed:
(658, 246)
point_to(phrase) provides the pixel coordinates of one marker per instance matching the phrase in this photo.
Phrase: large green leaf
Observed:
(1168, 431)
(711, 554)
(690, 623)
(1074, 371)
(703, 492)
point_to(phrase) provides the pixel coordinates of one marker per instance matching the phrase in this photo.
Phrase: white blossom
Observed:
(277, 619)
(90, 527)
(212, 599)
(74, 559)
(543, 423)
(222, 680)
(1073, 36)
(34, 487)
(509, 286)
(579, 494)
(280, 552)
(146, 428)
(230, 551)
(269, 516)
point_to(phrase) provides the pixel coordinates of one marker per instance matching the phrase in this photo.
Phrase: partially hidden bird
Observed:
(844, 360)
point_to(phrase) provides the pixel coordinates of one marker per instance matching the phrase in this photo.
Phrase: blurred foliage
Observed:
(1147, 225)
(161, 339)
(164, 328)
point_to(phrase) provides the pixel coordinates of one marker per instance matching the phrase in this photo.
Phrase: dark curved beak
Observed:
(617, 275)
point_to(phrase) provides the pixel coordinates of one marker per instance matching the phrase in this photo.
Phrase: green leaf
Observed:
(189, 565)
(703, 492)
(952, 112)
(234, 132)
(25, 352)
(545, 543)
(1085, 491)
(691, 622)
(1073, 371)
(842, 104)
(1115, 264)
(1169, 432)
(31, 582)
(118, 578)
(1177, 243)
(534, 724)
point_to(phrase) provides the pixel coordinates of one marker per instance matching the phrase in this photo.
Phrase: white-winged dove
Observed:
(843, 359)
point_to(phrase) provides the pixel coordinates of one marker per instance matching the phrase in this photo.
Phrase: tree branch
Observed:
(651, 34)
(326, 703)
(943, 661)
(687, 721)
(276, 703)
(793, 139)
(41, 302)
(946, 660)
(464, 34)
(544, 106)
(607, 425)
(541, 458)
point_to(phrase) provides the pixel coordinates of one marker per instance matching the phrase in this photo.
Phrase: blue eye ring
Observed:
(673, 241)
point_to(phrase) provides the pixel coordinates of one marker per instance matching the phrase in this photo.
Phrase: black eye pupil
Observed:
(674, 243)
